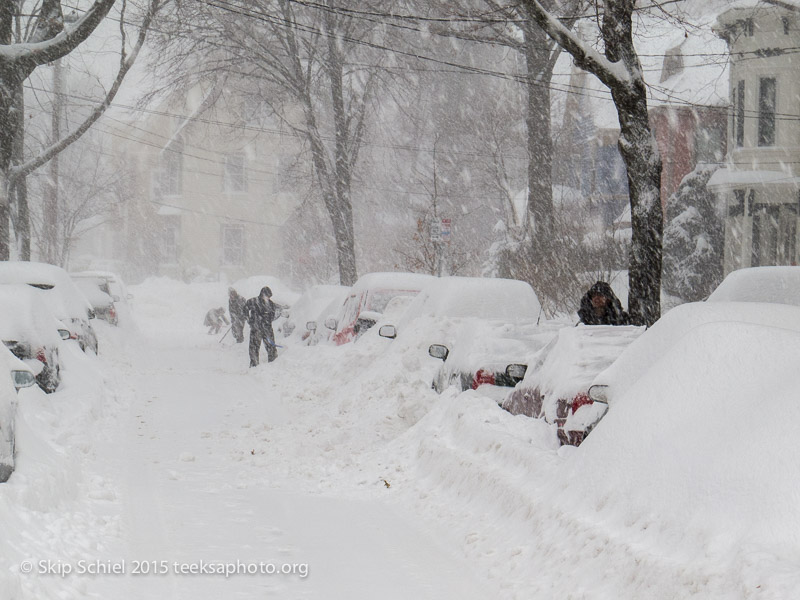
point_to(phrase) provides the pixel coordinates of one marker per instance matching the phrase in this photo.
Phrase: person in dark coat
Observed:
(261, 312)
(236, 304)
(599, 306)
(215, 318)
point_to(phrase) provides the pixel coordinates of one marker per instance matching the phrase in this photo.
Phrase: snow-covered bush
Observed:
(693, 239)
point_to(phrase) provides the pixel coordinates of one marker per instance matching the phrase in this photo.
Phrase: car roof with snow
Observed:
(506, 300)
(58, 290)
(89, 287)
(760, 284)
(392, 281)
(24, 317)
(645, 351)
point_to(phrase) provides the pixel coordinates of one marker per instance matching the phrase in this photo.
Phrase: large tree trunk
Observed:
(636, 142)
(539, 138)
(643, 163)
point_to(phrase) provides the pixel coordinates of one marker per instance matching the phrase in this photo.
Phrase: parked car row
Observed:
(42, 308)
(489, 335)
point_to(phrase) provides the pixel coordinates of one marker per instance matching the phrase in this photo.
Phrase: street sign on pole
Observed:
(436, 231)
(445, 229)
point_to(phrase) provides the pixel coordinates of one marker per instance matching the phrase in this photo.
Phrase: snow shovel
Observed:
(226, 334)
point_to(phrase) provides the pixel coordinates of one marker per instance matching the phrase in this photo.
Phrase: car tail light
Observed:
(482, 378)
(580, 399)
(112, 312)
(40, 356)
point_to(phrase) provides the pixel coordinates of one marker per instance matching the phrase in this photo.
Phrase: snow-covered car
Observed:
(556, 384)
(31, 332)
(308, 306)
(116, 288)
(482, 328)
(778, 285)
(60, 294)
(19, 376)
(613, 382)
(98, 293)
(368, 299)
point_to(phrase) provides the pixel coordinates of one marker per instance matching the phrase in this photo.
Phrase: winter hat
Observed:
(265, 291)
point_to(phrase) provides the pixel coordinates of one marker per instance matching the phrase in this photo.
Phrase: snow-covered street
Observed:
(185, 477)
(336, 472)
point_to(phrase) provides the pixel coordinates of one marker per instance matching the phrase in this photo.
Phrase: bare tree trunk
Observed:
(342, 210)
(19, 189)
(50, 220)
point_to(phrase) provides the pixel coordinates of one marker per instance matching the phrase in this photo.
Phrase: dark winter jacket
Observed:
(236, 306)
(610, 314)
(260, 313)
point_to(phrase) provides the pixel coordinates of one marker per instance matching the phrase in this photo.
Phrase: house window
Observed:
(774, 235)
(747, 27)
(766, 111)
(235, 177)
(172, 168)
(787, 24)
(168, 243)
(739, 103)
(233, 245)
(736, 209)
(709, 144)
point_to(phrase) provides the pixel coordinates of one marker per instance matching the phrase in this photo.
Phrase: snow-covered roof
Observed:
(728, 178)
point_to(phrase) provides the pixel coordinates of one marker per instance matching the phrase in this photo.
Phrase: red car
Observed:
(368, 299)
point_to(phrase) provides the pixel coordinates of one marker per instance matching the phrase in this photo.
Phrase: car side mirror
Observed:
(311, 325)
(129, 297)
(516, 371)
(439, 351)
(331, 324)
(22, 379)
(115, 298)
(599, 393)
(64, 333)
(388, 331)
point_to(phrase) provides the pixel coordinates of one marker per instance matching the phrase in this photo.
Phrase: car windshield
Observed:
(378, 299)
